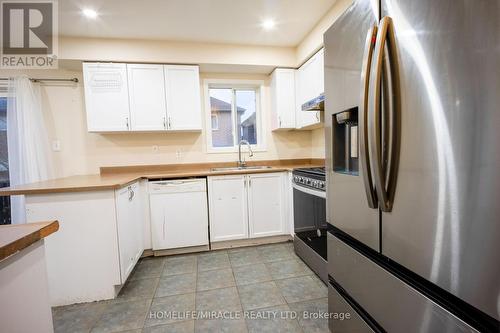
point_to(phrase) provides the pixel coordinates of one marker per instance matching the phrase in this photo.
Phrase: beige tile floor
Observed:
(251, 284)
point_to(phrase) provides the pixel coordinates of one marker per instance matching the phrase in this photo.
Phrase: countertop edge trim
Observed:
(25, 241)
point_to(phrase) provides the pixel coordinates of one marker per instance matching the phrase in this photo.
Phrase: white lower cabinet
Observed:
(129, 224)
(228, 207)
(266, 205)
(179, 213)
(246, 206)
(100, 239)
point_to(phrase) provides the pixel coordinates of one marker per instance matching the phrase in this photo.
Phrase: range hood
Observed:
(315, 104)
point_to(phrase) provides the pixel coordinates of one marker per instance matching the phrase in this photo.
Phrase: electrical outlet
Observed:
(156, 149)
(56, 145)
(178, 153)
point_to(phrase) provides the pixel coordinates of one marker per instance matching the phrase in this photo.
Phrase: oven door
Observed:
(309, 209)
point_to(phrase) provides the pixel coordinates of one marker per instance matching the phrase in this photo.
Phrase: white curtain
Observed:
(28, 143)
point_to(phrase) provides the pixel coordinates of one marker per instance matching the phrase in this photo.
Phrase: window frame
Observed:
(235, 84)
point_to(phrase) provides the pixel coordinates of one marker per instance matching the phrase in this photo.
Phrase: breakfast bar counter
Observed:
(24, 294)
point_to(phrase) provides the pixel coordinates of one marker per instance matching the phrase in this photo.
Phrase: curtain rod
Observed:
(38, 80)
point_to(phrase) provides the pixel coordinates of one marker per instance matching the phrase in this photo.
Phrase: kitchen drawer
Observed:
(392, 303)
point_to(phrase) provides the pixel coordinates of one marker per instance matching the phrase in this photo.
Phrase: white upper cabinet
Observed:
(283, 99)
(320, 67)
(183, 97)
(266, 205)
(142, 97)
(106, 97)
(148, 110)
(310, 84)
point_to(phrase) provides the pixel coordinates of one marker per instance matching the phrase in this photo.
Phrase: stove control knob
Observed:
(315, 184)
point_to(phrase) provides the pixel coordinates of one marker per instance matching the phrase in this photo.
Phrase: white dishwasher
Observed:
(179, 213)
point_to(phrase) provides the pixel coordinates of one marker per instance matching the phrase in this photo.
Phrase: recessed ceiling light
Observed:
(90, 13)
(268, 24)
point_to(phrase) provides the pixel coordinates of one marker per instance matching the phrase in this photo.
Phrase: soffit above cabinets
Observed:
(76, 65)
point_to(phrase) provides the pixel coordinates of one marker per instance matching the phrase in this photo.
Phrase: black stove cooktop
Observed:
(318, 171)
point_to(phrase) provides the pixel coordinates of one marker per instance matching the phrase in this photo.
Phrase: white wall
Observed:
(83, 152)
(313, 41)
(132, 50)
(318, 143)
(307, 47)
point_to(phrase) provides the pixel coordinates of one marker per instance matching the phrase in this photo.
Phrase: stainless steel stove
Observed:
(309, 208)
(310, 177)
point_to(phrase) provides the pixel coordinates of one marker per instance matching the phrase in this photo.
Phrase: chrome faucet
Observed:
(242, 163)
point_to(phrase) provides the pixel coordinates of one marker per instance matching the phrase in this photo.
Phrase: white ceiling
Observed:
(213, 21)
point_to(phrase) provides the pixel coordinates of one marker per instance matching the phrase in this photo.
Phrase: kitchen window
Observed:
(233, 115)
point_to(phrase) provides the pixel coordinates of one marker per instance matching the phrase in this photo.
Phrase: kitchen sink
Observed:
(256, 167)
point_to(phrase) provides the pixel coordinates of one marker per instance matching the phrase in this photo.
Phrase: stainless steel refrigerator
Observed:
(412, 126)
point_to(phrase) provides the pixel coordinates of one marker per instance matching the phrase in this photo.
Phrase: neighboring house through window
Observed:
(234, 115)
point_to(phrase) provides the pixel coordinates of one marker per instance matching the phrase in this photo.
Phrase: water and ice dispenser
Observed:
(345, 142)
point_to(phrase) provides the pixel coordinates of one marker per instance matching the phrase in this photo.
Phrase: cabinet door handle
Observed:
(317, 116)
(279, 120)
(126, 120)
(169, 123)
(164, 122)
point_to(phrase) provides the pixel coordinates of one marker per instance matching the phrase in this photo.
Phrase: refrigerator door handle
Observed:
(393, 99)
(385, 171)
(362, 117)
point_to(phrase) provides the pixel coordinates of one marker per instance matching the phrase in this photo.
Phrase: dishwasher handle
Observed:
(178, 185)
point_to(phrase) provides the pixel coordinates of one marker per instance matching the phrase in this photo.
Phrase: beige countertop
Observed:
(14, 238)
(117, 177)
